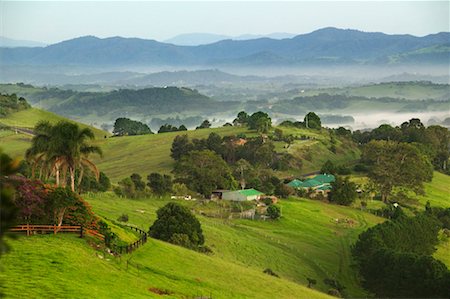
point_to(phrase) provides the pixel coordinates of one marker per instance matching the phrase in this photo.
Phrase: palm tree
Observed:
(40, 154)
(64, 146)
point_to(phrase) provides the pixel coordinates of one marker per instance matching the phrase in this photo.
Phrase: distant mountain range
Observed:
(14, 43)
(328, 46)
(196, 39)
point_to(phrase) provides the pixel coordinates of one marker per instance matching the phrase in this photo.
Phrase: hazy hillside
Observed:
(107, 106)
(325, 46)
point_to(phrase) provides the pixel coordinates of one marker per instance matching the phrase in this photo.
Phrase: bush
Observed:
(174, 219)
(343, 191)
(123, 218)
(270, 272)
(273, 212)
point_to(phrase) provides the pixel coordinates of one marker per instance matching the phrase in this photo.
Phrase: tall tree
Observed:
(180, 147)
(312, 121)
(394, 164)
(64, 146)
(343, 191)
(204, 171)
(160, 184)
(260, 121)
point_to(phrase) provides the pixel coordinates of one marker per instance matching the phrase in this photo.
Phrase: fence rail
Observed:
(32, 228)
(119, 249)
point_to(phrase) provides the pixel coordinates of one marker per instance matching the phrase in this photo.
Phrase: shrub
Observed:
(181, 240)
(270, 272)
(176, 219)
(123, 218)
(274, 212)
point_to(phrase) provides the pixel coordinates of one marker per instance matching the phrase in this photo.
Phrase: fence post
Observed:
(54, 229)
(81, 231)
(28, 229)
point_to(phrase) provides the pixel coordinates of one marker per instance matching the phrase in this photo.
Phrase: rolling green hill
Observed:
(15, 142)
(151, 153)
(61, 266)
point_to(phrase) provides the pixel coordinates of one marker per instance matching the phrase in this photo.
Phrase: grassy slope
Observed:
(305, 243)
(29, 117)
(66, 267)
(147, 153)
(438, 191)
(151, 153)
(315, 152)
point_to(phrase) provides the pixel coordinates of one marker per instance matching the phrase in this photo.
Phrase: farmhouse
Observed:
(242, 195)
(320, 183)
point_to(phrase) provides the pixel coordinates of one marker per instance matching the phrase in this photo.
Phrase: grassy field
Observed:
(437, 192)
(306, 242)
(66, 267)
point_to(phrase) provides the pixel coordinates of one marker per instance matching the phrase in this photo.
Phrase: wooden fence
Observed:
(29, 229)
(133, 246)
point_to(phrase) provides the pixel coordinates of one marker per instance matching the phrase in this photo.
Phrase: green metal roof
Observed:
(324, 178)
(250, 192)
(311, 183)
(295, 184)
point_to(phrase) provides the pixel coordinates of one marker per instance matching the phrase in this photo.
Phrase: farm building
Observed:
(319, 182)
(242, 195)
(295, 184)
(325, 178)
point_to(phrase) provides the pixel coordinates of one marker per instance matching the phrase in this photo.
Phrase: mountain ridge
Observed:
(329, 45)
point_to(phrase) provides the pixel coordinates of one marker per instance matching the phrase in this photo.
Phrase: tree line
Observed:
(395, 257)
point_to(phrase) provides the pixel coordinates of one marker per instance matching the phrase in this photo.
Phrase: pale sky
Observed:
(55, 21)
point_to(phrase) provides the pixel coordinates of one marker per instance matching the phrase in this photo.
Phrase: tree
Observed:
(182, 128)
(173, 221)
(312, 121)
(59, 200)
(203, 171)
(278, 134)
(139, 185)
(204, 125)
(167, 128)
(328, 167)
(438, 138)
(283, 190)
(241, 119)
(160, 184)
(394, 164)
(343, 191)
(8, 210)
(63, 148)
(260, 121)
(180, 147)
(273, 212)
(126, 188)
(125, 126)
(214, 143)
(386, 132)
